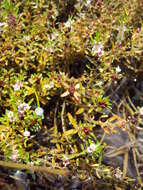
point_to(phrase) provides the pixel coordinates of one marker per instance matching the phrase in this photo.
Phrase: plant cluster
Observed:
(55, 76)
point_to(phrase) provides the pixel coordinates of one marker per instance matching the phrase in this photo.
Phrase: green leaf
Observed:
(69, 132)
(80, 111)
(72, 120)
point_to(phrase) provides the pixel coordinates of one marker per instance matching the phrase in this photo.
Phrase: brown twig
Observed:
(62, 116)
(20, 166)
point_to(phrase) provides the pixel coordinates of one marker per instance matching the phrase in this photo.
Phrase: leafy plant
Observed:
(59, 73)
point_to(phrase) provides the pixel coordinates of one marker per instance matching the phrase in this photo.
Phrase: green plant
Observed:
(56, 77)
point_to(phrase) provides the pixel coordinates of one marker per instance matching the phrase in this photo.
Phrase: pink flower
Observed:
(14, 157)
(86, 129)
(101, 53)
(120, 46)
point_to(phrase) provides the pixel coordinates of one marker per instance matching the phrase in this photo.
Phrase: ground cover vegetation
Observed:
(71, 93)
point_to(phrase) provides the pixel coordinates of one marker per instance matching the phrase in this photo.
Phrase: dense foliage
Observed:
(59, 61)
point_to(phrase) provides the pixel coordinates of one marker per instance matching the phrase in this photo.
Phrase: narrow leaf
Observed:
(80, 111)
(72, 120)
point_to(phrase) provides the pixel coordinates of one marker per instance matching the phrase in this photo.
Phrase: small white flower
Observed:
(141, 111)
(66, 163)
(17, 86)
(88, 2)
(65, 160)
(68, 24)
(50, 85)
(100, 83)
(26, 133)
(118, 174)
(118, 69)
(50, 50)
(77, 86)
(23, 107)
(97, 48)
(27, 38)
(39, 111)
(11, 116)
(91, 148)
